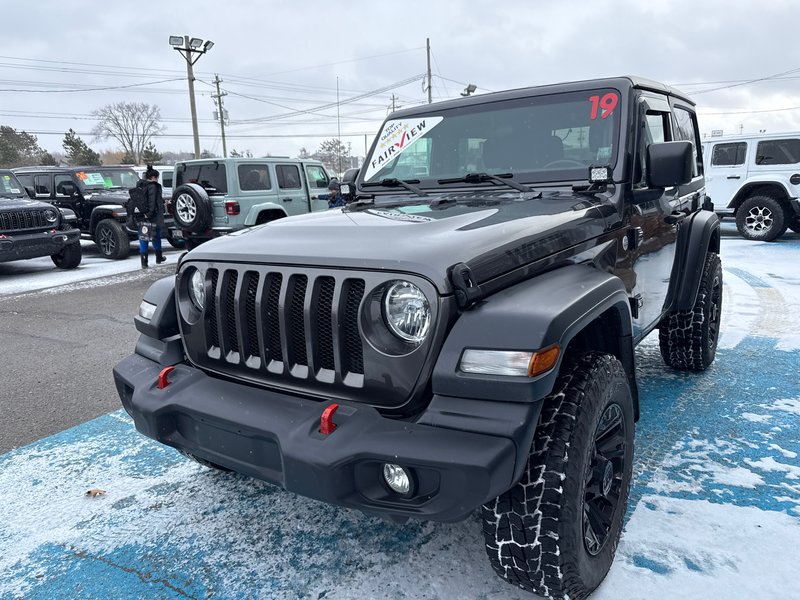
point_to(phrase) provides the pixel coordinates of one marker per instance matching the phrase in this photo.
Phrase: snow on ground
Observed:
(714, 509)
(40, 273)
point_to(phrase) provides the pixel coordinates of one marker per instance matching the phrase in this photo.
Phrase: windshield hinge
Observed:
(467, 291)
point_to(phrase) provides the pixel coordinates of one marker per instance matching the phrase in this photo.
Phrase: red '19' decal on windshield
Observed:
(604, 106)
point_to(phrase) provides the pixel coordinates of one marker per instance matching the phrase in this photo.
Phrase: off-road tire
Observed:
(68, 257)
(534, 532)
(206, 463)
(112, 240)
(761, 218)
(688, 338)
(191, 208)
(795, 225)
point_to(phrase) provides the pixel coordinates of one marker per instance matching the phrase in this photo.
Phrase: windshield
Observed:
(99, 178)
(543, 138)
(10, 187)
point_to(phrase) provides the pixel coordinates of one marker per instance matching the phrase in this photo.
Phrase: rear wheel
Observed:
(688, 338)
(761, 218)
(179, 243)
(112, 240)
(556, 531)
(68, 257)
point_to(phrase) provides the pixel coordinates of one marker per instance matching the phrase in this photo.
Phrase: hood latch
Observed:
(467, 291)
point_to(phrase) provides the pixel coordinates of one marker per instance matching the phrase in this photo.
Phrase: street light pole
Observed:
(191, 49)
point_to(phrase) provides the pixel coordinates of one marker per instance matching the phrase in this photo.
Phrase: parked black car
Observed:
(97, 195)
(461, 336)
(30, 229)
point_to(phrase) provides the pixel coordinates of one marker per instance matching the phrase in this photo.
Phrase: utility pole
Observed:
(428, 45)
(191, 49)
(218, 97)
(338, 128)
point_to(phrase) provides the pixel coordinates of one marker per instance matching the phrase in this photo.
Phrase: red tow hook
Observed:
(326, 424)
(162, 377)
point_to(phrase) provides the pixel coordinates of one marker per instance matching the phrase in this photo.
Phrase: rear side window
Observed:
(728, 155)
(211, 176)
(288, 177)
(317, 177)
(166, 179)
(253, 177)
(778, 152)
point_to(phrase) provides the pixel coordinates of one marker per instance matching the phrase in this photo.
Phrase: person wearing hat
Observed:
(334, 195)
(154, 215)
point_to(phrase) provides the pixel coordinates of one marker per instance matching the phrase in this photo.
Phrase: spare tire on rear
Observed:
(191, 207)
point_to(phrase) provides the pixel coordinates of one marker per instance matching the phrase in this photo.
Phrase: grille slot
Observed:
(296, 327)
(211, 309)
(271, 317)
(324, 325)
(21, 220)
(230, 339)
(354, 353)
(251, 287)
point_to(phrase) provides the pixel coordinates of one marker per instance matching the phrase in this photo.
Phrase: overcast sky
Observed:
(283, 57)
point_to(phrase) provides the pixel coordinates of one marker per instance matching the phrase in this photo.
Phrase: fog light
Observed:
(397, 478)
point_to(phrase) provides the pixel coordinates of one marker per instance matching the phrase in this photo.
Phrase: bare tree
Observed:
(132, 124)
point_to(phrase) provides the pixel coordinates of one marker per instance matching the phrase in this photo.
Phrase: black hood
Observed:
(492, 232)
(21, 203)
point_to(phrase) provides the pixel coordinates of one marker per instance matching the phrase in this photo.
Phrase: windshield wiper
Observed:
(394, 182)
(501, 178)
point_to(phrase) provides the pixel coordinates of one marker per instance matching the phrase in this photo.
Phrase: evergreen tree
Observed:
(18, 149)
(78, 152)
(151, 156)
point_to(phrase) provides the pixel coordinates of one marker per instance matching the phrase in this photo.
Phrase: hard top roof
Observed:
(623, 82)
(250, 159)
(52, 169)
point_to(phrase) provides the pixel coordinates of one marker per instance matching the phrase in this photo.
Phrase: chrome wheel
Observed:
(185, 208)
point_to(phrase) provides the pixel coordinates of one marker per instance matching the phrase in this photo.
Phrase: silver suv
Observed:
(756, 180)
(216, 196)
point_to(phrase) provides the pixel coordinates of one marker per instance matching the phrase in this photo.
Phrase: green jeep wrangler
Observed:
(216, 196)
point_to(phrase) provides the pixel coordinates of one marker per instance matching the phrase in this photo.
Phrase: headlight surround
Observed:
(197, 289)
(51, 215)
(407, 312)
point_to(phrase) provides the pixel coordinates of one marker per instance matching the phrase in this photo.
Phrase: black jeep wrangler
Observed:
(30, 229)
(461, 336)
(97, 195)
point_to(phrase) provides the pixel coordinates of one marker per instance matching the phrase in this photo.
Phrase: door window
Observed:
(64, 185)
(166, 179)
(317, 177)
(288, 177)
(728, 155)
(778, 152)
(655, 128)
(41, 183)
(685, 130)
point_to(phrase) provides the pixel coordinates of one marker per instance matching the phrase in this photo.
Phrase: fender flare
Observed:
(551, 308)
(255, 210)
(107, 211)
(755, 181)
(699, 235)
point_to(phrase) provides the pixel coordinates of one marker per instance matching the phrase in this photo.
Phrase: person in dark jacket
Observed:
(154, 215)
(334, 195)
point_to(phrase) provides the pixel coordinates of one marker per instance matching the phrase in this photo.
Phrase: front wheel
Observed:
(112, 240)
(688, 338)
(68, 257)
(556, 531)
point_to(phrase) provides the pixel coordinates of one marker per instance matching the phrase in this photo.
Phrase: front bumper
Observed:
(275, 437)
(22, 246)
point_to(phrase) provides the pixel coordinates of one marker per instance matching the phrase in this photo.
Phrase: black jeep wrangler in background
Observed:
(97, 195)
(460, 336)
(30, 229)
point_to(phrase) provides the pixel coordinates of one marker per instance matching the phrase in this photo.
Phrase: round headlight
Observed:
(197, 289)
(407, 312)
(50, 215)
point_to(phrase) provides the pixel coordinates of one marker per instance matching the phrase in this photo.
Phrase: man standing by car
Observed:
(155, 218)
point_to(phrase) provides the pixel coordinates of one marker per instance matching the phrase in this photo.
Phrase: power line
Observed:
(95, 89)
(746, 82)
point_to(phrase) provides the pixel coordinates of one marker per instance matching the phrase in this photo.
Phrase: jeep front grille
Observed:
(21, 220)
(263, 321)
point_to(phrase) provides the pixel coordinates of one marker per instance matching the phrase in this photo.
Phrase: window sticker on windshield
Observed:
(603, 106)
(397, 137)
(91, 178)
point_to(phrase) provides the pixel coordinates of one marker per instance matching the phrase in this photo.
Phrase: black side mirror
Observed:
(669, 164)
(350, 175)
(30, 191)
(320, 183)
(67, 189)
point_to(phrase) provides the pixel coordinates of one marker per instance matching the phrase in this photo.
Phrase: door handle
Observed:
(675, 217)
(733, 177)
(287, 199)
